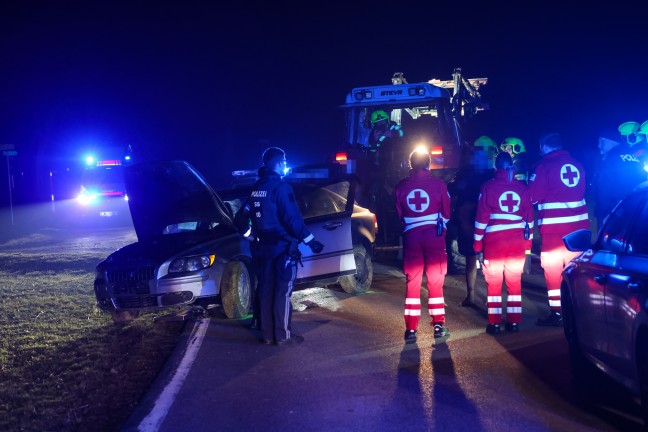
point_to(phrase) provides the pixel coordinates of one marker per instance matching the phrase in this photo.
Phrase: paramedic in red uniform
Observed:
(503, 228)
(422, 201)
(557, 186)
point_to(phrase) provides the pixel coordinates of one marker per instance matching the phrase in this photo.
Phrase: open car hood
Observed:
(162, 195)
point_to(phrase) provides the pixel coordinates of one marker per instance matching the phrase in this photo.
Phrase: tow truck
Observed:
(432, 115)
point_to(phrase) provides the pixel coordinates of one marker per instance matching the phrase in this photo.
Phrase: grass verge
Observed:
(64, 365)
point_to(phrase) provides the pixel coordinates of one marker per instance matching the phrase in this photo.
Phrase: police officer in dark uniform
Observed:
(279, 227)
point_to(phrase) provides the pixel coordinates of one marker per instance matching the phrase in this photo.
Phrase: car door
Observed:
(596, 269)
(625, 290)
(327, 210)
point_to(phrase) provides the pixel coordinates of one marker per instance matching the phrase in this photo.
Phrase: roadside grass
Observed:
(64, 365)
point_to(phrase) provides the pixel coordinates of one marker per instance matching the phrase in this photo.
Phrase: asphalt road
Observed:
(354, 372)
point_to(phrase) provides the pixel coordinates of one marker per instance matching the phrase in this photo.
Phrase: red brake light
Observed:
(436, 150)
(340, 157)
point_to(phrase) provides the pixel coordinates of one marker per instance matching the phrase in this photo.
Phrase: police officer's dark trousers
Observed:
(275, 289)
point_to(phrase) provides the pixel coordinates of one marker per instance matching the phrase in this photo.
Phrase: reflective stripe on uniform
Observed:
(561, 205)
(413, 312)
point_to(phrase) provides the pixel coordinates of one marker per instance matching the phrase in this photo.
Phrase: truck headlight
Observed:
(191, 263)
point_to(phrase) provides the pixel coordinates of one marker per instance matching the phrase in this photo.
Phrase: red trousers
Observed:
(504, 262)
(554, 256)
(424, 252)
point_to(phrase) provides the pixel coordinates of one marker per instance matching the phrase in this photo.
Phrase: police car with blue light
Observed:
(604, 299)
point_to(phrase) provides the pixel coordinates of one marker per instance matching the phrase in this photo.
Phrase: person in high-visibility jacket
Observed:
(423, 206)
(503, 234)
(557, 186)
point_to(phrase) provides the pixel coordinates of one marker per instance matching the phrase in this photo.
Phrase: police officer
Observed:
(503, 232)
(618, 172)
(279, 227)
(557, 186)
(423, 206)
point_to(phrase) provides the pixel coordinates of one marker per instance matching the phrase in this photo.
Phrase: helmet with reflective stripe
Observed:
(516, 145)
(378, 116)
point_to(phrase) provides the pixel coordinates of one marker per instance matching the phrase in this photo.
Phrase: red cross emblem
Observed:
(509, 202)
(569, 175)
(418, 200)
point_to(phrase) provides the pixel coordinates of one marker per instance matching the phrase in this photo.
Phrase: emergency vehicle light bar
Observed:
(109, 162)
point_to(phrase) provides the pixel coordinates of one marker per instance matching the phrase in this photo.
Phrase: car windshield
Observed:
(102, 175)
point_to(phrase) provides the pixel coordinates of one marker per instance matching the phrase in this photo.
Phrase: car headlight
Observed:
(191, 263)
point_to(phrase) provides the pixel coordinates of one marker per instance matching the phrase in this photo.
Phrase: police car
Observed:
(604, 297)
(189, 251)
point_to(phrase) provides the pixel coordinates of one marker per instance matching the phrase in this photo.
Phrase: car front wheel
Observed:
(583, 372)
(236, 290)
(361, 281)
(642, 368)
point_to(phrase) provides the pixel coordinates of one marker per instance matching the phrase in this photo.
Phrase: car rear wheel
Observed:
(361, 281)
(236, 290)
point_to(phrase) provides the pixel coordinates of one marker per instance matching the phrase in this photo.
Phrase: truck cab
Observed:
(429, 115)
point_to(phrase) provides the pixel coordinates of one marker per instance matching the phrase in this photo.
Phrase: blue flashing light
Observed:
(87, 198)
(127, 157)
(89, 160)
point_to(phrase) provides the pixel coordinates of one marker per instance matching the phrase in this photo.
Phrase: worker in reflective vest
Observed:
(423, 206)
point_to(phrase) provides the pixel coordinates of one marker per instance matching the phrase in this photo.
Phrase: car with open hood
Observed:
(189, 251)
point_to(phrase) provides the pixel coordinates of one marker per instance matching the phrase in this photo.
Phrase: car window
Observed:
(326, 200)
(638, 243)
(613, 235)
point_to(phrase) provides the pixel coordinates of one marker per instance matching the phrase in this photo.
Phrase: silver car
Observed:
(188, 250)
(605, 299)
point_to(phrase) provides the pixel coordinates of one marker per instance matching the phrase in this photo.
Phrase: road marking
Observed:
(154, 419)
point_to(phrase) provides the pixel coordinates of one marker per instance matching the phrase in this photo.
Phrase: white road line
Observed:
(154, 419)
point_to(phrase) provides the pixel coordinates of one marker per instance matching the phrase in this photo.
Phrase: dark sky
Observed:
(215, 84)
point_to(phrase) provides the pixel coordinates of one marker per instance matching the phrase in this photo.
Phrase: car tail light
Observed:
(341, 157)
(436, 151)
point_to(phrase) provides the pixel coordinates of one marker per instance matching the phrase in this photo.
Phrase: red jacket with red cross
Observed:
(420, 199)
(503, 210)
(557, 185)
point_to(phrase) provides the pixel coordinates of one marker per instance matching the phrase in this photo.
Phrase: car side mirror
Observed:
(578, 241)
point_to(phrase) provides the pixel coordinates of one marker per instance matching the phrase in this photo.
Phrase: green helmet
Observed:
(378, 116)
(643, 129)
(630, 130)
(516, 144)
(487, 144)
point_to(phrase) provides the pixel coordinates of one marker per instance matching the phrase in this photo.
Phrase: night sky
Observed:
(216, 84)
